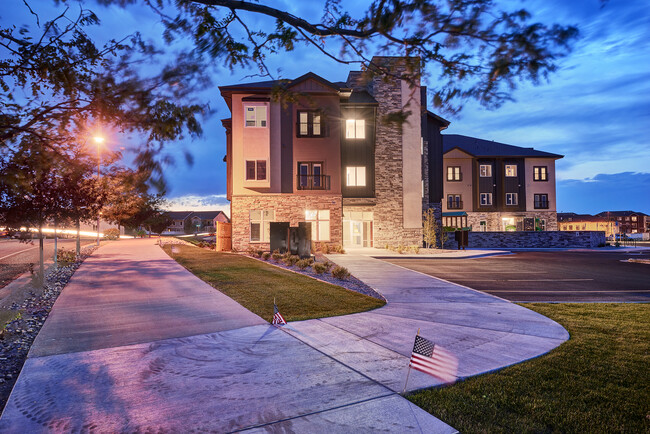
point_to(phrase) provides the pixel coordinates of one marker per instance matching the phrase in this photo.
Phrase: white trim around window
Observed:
(260, 225)
(355, 129)
(485, 170)
(511, 170)
(255, 116)
(512, 199)
(485, 199)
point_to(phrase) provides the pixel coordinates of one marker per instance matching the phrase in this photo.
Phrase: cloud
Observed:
(605, 192)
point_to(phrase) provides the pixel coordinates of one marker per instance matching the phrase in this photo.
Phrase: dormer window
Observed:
(255, 116)
(309, 124)
(355, 129)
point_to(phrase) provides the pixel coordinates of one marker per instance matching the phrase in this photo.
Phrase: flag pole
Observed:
(409, 370)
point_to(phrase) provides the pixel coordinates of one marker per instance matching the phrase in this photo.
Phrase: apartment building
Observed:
(586, 222)
(491, 186)
(313, 150)
(629, 222)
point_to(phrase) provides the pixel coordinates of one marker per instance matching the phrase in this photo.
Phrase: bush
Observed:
(337, 249)
(140, 233)
(340, 272)
(112, 234)
(303, 263)
(328, 265)
(415, 249)
(276, 256)
(290, 260)
(325, 248)
(266, 256)
(319, 267)
(64, 256)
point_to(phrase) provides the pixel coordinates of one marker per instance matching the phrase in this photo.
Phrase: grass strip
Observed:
(254, 284)
(6, 316)
(598, 381)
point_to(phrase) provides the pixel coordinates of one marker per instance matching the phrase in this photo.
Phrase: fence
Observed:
(223, 235)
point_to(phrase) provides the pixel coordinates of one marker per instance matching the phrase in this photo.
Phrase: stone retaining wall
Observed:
(545, 239)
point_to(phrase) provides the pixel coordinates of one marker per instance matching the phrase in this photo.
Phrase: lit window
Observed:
(511, 198)
(486, 198)
(356, 176)
(355, 129)
(633, 218)
(511, 170)
(540, 173)
(255, 170)
(309, 124)
(320, 224)
(453, 173)
(255, 116)
(485, 170)
(261, 225)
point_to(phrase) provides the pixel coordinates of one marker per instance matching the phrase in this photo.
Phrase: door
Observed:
(356, 239)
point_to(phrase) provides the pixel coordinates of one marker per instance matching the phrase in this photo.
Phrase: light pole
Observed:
(99, 140)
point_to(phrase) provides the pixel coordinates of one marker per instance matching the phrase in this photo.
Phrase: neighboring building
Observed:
(491, 186)
(586, 222)
(329, 155)
(629, 222)
(186, 222)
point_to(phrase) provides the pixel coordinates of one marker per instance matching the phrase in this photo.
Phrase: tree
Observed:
(476, 50)
(430, 228)
(158, 222)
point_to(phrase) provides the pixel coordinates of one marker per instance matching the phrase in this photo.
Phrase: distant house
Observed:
(629, 222)
(492, 187)
(586, 222)
(187, 222)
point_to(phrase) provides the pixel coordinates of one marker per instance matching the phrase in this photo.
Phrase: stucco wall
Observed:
(537, 187)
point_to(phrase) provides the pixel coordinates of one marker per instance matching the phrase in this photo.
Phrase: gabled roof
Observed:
(486, 148)
(360, 97)
(203, 215)
(286, 84)
(179, 215)
(571, 217)
(620, 213)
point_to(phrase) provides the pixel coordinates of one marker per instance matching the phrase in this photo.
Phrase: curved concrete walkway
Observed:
(135, 343)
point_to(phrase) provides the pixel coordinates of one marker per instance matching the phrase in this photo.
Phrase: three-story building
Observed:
(491, 186)
(311, 150)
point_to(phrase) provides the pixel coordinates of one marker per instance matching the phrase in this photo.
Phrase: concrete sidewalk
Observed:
(136, 343)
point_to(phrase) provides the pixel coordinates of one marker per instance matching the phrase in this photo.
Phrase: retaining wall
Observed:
(539, 239)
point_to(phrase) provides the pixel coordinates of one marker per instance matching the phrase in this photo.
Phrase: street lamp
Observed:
(98, 140)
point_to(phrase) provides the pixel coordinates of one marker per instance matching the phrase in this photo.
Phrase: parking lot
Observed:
(547, 276)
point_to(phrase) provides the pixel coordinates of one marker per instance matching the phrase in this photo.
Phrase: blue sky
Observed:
(595, 110)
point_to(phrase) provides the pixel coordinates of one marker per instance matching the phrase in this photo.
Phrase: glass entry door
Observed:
(357, 229)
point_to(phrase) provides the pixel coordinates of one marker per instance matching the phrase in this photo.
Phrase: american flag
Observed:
(431, 359)
(277, 316)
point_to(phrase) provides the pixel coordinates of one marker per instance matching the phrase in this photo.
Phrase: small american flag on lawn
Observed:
(277, 316)
(431, 359)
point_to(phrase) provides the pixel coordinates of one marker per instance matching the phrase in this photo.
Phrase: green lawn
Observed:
(597, 382)
(254, 284)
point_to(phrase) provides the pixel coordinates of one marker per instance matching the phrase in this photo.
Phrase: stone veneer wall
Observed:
(388, 222)
(530, 239)
(493, 219)
(288, 208)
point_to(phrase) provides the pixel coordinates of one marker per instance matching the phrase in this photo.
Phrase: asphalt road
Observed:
(546, 276)
(16, 257)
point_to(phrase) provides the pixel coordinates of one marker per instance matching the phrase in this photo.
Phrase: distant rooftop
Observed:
(486, 148)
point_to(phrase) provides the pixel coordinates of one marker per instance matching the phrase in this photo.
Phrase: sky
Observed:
(595, 110)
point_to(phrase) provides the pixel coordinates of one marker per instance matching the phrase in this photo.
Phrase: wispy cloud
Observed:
(214, 202)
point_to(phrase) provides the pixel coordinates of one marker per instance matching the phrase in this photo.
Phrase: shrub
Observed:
(340, 272)
(266, 256)
(140, 233)
(325, 248)
(112, 234)
(328, 265)
(337, 248)
(319, 267)
(415, 249)
(303, 263)
(276, 256)
(259, 253)
(64, 256)
(291, 260)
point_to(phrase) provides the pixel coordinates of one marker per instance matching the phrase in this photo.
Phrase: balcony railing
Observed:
(313, 182)
(455, 204)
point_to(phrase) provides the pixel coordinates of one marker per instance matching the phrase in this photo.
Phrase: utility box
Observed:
(462, 239)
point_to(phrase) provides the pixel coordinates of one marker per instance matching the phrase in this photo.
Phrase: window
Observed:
(309, 124)
(633, 218)
(255, 170)
(511, 170)
(453, 173)
(541, 201)
(455, 222)
(486, 199)
(310, 176)
(482, 226)
(356, 176)
(320, 224)
(511, 198)
(541, 224)
(485, 170)
(454, 202)
(261, 224)
(355, 129)
(540, 173)
(255, 116)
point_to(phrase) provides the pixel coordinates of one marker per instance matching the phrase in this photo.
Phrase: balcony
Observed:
(455, 204)
(313, 182)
